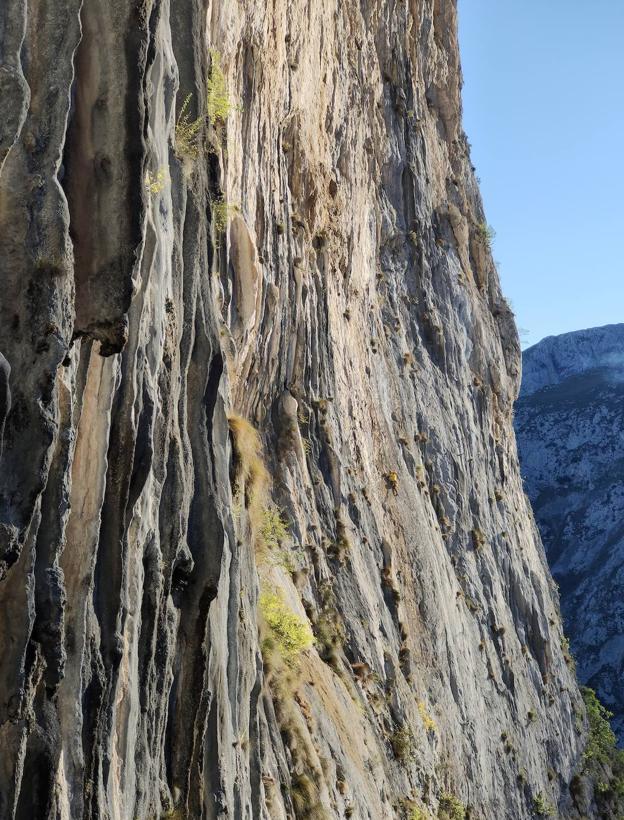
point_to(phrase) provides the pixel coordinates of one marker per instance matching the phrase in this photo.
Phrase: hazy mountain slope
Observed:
(311, 260)
(570, 428)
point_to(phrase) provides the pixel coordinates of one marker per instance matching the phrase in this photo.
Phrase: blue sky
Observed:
(544, 112)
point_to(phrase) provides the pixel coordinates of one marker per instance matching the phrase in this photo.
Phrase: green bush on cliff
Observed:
(487, 233)
(450, 807)
(220, 211)
(219, 105)
(601, 740)
(601, 756)
(288, 633)
(541, 806)
(417, 813)
(187, 131)
(274, 529)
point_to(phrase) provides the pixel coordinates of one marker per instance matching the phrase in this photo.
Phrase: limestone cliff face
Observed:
(351, 313)
(571, 440)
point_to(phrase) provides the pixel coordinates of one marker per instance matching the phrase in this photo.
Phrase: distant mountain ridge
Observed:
(557, 358)
(570, 430)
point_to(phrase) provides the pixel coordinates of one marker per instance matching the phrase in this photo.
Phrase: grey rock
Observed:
(5, 396)
(351, 311)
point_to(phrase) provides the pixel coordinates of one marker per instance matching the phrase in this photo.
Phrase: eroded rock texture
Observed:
(571, 441)
(352, 313)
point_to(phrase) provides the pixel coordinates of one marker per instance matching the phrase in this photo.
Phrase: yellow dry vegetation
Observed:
(428, 722)
(253, 479)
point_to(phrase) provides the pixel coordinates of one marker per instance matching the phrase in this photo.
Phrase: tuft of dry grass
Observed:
(305, 796)
(402, 743)
(253, 482)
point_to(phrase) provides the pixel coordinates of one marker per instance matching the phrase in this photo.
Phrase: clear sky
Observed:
(544, 112)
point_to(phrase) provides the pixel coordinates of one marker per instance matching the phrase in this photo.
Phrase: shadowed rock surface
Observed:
(570, 428)
(313, 260)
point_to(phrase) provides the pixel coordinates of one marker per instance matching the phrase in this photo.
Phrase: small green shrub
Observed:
(187, 132)
(541, 806)
(601, 758)
(274, 529)
(220, 211)
(290, 634)
(487, 233)
(219, 105)
(601, 740)
(418, 813)
(450, 807)
(155, 183)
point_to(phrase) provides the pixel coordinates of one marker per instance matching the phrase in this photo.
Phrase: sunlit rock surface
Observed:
(320, 268)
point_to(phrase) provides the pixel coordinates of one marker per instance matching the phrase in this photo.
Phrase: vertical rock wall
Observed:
(350, 311)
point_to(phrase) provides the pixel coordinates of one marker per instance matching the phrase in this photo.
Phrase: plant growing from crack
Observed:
(187, 131)
(155, 182)
(289, 634)
(219, 105)
(487, 233)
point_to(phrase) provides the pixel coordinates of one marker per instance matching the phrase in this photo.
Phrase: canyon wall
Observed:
(308, 260)
(571, 440)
